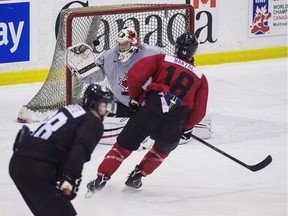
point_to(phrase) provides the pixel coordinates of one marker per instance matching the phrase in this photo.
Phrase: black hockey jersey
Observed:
(67, 138)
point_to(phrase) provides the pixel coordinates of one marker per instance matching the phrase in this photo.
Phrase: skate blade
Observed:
(130, 189)
(89, 194)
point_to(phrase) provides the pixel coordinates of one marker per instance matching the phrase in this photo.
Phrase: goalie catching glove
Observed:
(80, 59)
(68, 186)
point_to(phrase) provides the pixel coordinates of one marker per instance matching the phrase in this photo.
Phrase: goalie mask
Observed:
(127, 43)
(96, 96)
(186, 46)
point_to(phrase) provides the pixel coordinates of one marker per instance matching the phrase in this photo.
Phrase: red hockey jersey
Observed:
(173, 75)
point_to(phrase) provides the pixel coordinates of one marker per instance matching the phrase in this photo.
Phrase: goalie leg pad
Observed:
(203, 129)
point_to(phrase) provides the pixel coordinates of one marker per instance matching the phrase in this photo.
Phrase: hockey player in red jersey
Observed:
(56, 152)
(173, 103)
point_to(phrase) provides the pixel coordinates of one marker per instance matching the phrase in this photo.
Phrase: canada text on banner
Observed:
(268, 18)
(206, 20)
(14, 32)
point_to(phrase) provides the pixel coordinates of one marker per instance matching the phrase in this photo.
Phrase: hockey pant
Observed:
(36, 181)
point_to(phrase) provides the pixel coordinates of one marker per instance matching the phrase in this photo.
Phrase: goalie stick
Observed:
(253, 168)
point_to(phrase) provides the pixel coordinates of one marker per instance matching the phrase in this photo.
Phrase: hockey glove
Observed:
(22, 136)
(68, 186)
(186, 133)
(133, 105)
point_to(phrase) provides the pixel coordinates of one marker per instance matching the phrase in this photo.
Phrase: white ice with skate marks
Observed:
(248, 106)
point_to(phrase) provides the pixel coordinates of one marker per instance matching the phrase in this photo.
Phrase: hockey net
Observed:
(158, 25)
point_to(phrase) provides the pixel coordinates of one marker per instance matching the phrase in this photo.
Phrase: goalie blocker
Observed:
(80, 59)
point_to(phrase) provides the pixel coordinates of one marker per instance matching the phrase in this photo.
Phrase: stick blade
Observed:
(261, 165)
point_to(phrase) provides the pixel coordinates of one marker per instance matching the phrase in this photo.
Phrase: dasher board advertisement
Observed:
(268, 18)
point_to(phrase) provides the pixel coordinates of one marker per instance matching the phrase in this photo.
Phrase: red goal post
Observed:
(156, 24)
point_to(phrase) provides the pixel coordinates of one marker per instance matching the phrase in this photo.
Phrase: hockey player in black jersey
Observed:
(46, 165)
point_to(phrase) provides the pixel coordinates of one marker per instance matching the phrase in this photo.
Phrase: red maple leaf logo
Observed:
(260, 20)
(123, 83)
(196, 3)
(204, 1)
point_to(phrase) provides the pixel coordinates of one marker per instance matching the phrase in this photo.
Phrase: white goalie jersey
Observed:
(116, 71)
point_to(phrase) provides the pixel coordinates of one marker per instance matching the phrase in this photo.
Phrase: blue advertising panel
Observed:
(14, 32)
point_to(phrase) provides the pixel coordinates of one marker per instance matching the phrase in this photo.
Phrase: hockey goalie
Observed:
(112, 66)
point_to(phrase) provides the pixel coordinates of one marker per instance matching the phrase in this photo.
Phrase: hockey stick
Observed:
(253, 168)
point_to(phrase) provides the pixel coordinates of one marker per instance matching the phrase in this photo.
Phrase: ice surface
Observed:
(248, 106)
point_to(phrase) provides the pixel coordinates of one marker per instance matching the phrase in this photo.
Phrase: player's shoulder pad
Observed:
(155, 49)
(111, 51)
(75, 110)
(184, 64)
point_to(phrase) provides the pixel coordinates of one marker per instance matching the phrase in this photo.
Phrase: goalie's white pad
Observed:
(114, 125)
(80, 59)
(147, 144)
(203, 129)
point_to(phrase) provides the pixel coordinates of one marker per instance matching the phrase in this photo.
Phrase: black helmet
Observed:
(186, 46)
(95, 94)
